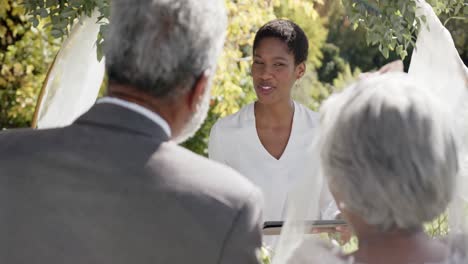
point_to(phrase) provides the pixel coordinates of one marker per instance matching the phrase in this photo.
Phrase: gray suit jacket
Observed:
(110, 188)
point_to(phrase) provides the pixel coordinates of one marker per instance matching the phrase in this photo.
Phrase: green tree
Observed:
(351, 42)
(392, 25)
(353, 47)
(25, 53)
(62, 14)
(332, 65)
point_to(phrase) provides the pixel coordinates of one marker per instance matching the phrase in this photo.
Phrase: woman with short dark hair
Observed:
(269, 141)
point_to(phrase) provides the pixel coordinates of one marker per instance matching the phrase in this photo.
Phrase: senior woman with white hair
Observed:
(391, 161)
(389, 154)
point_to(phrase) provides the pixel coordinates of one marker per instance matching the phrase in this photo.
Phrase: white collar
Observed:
(138, 109)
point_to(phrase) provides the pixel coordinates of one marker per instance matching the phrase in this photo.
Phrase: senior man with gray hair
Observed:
(111, 187)
(390, 158)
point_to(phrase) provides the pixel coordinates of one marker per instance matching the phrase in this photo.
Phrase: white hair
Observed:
(163, 46)
(389, 152)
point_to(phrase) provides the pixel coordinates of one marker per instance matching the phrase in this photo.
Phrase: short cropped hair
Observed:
(288, 32)
(389, 151)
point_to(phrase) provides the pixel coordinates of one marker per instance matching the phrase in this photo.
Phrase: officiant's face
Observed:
(274, 71)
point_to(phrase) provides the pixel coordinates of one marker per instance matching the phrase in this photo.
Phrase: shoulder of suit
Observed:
(13, 140)
(198, 173)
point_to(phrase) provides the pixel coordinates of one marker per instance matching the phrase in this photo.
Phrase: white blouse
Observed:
(234, 141)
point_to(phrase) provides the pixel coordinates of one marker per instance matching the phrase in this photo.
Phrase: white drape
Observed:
(75, 79)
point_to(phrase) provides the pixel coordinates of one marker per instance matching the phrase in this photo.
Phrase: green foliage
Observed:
(439, 227)
(392, 24)
(310, 92)
(311, 22)
(387, 25)
(25, 54)
(346, 77)
(332, 65)
(199, 142)
(450, 7)
(63, 14)
(265, 255)
(352, 43)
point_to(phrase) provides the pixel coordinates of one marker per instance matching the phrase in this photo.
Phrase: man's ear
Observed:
(300, 70)
(198, 90)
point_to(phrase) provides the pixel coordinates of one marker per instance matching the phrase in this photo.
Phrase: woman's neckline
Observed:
(291, 134)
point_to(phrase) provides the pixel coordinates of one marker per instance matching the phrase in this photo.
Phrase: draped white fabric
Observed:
(75, 78)
(436, 64)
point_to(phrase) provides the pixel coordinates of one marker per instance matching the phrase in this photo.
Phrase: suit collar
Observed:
(138, 109)
(120, 118)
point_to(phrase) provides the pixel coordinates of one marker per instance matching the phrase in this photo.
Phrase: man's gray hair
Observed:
(163, 46)
(389, 152)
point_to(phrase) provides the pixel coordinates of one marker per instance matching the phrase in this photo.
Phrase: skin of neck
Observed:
(174, 112)
(275, 114)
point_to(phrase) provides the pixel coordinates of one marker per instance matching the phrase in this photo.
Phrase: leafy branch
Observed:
(390, 24)
(393, 24)
(63, 14)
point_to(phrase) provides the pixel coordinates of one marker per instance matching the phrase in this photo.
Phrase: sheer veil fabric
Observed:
(436, 66)
(74, 79)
